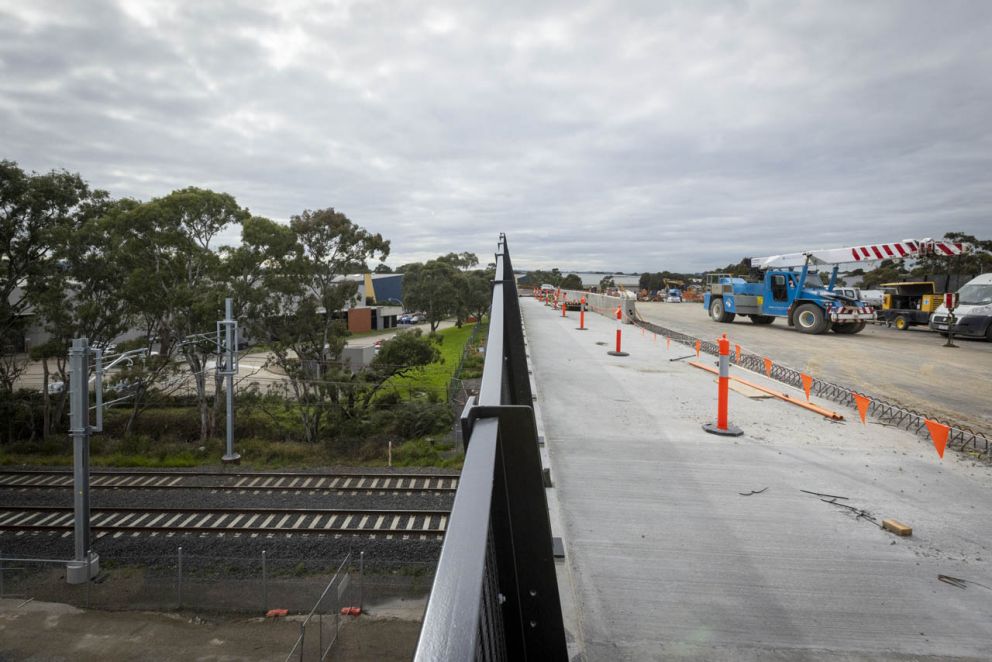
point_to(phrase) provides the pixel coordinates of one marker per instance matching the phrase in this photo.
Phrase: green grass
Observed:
(435, 377)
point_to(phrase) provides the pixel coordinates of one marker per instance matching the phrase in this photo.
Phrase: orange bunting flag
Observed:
(938, 432)
(737, 353)
(699, 345)
(807, 383)
(668, 342)
(768, 366)
(862, 402)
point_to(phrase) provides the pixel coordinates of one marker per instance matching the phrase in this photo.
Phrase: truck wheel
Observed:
(901, 323)
(988, 333)
(850, 329)
(762, 319)
(809, 319)
(718, 313)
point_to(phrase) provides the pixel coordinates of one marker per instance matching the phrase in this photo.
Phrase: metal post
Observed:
(230, 341)
(1, 574)
(265, 584)
(98, 387)
(179, 579)
(303, 635)
(950, 328)
(361, 580)
(78, 570)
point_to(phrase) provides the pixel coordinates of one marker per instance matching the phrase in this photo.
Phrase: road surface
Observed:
(680, 545)
(910, 368)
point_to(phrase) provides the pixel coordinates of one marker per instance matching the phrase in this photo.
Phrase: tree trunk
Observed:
(46, 404)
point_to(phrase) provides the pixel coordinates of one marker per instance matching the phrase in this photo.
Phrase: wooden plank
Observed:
(897, 528)
(778, 394)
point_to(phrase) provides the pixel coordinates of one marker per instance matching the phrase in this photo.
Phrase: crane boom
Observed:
(907, 248)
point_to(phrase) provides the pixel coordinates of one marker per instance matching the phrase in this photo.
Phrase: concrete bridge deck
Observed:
(666, 559)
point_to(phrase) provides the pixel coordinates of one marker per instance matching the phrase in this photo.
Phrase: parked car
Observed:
(403, 319)
(54, 388)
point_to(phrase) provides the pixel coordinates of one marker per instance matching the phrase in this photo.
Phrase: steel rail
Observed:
(391, 483)
(385, 520)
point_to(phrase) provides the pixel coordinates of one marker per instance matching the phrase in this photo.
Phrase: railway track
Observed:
(241, 482)
(116, 522)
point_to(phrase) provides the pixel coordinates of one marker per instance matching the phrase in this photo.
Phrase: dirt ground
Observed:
(51, 632)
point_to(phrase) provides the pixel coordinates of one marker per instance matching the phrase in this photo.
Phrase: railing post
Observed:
(265, 584)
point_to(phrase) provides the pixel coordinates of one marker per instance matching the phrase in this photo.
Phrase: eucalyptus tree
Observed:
(36, 212)
(174, 281)
(82, 296)
(305, 293)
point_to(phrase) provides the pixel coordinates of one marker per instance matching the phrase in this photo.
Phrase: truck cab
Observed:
(790, 294)
(973, 316)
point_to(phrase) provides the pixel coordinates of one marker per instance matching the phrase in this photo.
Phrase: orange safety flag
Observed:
(768, 366)
(862, 402)
(807, 383)
(938, 432)
(619, 313)
(668, 342)
(737, 353)
(699, 345)
(654, 337)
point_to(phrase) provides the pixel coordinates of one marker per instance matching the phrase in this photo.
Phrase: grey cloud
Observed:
(597, 135)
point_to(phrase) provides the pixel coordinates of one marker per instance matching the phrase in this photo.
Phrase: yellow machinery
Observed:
(909, 304)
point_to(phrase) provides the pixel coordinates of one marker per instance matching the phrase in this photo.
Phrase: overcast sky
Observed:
(597, 135)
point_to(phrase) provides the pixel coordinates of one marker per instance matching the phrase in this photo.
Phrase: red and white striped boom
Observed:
(907, 248)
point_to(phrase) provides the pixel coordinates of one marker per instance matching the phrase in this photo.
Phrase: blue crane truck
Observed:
(782, 286)
(804, 303)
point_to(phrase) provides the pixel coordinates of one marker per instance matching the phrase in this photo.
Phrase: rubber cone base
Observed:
(581, 328)
(731, 431)
(612, 353)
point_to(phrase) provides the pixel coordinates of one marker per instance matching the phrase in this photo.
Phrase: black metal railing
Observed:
(495, 593)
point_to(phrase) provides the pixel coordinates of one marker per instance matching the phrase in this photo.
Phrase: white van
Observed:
(973, 316)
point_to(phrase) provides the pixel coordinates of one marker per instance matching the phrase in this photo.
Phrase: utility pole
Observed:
(85, 564)
(229, 351)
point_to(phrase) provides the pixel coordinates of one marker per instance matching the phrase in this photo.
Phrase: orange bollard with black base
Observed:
(618, 352)
(582, 315)
(722, 427)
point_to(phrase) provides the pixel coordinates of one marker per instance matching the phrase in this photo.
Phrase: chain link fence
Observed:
(229, 584)
(886, 412)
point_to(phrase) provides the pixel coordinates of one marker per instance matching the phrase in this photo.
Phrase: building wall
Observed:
(360, 320)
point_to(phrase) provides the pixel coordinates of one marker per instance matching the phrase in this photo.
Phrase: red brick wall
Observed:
(360, 320)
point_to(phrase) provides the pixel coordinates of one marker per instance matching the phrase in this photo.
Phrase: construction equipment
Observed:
(779, 290)
(909, 304)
